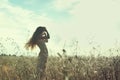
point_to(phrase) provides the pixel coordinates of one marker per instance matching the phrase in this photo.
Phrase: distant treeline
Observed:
(10, 55)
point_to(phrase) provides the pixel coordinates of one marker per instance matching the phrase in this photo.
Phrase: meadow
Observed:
(61, 67)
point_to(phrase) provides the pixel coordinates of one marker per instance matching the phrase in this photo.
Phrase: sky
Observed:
(88, 22)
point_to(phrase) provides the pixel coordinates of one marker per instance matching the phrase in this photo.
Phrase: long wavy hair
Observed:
(37, 35)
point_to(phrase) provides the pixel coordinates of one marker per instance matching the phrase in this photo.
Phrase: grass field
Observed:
(61, 68)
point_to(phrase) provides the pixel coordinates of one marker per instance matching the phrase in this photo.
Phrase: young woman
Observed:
(39, 38)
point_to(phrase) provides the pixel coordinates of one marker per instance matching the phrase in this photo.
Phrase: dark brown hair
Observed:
(37, 35)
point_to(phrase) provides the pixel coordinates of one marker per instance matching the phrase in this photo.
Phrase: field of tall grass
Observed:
(61, 68)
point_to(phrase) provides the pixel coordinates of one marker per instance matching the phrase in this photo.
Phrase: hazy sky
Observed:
(66, 21)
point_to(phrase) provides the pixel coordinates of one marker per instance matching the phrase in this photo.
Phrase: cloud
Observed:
(99, 17)
(20, 17)
(63, 5)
